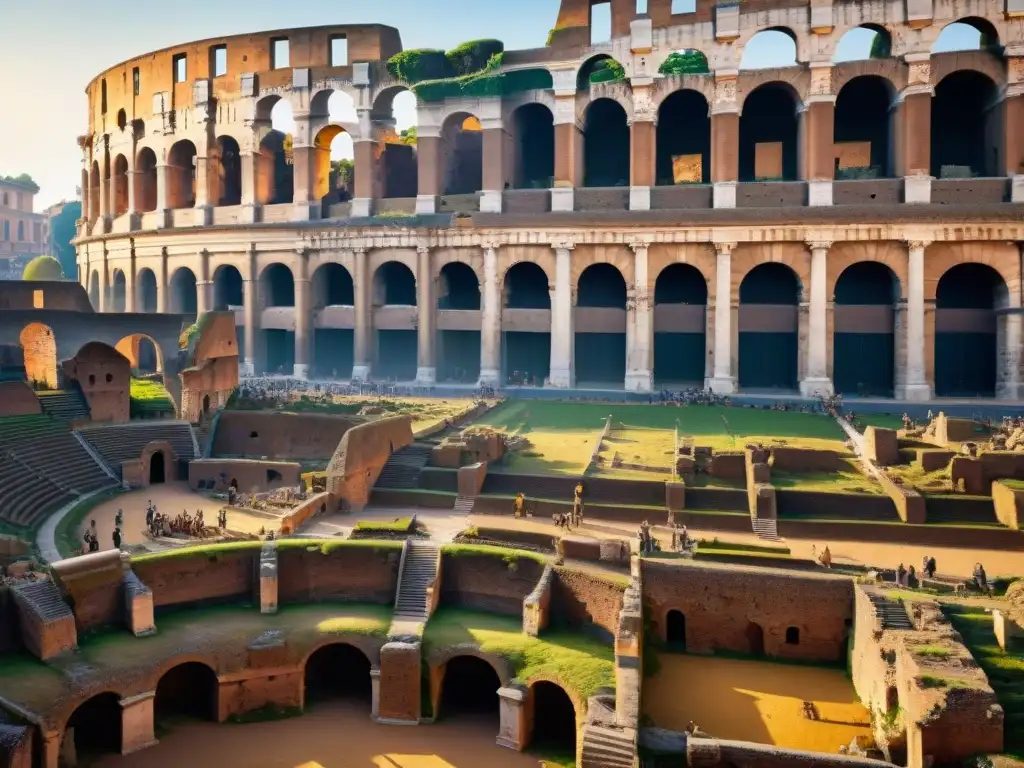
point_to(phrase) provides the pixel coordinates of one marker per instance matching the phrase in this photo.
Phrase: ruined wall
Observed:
(279, 436)
(317, 504)
(253, 476)
(495, 583)
(721, 603)
(804, 460)
(362, 454)
(92, 586)
(208, 574)
(366, 572)
(719, 753)
(1008, 504)
(586, 601)
(135, 472)
(104, 375)
(212, 374)
(17, 399)
(15, 746)
(21, 294)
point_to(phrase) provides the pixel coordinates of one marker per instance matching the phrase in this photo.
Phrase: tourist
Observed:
(924, 566)
(912, 578)
(826, 557)
(92, 528)
(901, 576)
(930, 569)
(980, 579)
(518, 505)
(117, 537)
(119, 518)
(149, 516)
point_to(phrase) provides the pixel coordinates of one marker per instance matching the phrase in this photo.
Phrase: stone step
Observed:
(605, 747)
(766, 528)
(464, 505)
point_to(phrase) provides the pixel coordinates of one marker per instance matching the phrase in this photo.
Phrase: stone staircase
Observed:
(419, 569)
(44, 599)
(464, 505)
(402, 470)
(766, 528)
(66, 405)
(892, 614)
(605, 747)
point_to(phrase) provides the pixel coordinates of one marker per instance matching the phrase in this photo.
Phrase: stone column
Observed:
(252, 316)
(640, 326)
(106, 203)
(513, 732)
(494, 166)
(429, 169)
(642, 144)
(204, 286)
(816, 382)
(562, 374)
(724, 381)
(161, 283)
(129, 285)
(914, 130)
(568, 142)
(162, 191)
(916, 387)
(133, 214)
(105, 297)
(365, 174)
(364, 323)
(426, 371)
(304, 203)
(204, 212)
(303, 316)
(1013, 135)
(137, 723)
(248, 158)
(819, 136)
(374, 693)
(490, 320)
(725, 140)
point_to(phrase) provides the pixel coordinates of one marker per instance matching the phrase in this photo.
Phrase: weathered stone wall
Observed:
(17, 399)
(20, 294)
(202, 575)
(400, 682)
(493, 582)
(882, 446)
(360, 456)
(721, 603)
(718, 753)
(908, 502)
(15, 746)
(585, 601)
(252, 474)
(279, 436)
(804, 460)
(92, 586)
(135, 472)
(364, 573)
(318, 504)
(1008, 504)
(105, 378)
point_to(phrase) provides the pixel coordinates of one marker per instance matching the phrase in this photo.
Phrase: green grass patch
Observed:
(324, 546)
(581, 663)
(933, 651)
(149, 398)
(730, 546)
(849, 480)
(66, 535)
(487, 550)
(401, 525)
(265, 714)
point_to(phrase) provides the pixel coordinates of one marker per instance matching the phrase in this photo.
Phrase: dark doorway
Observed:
(600, 320)
(769, 119)
(675, 631)
(156, 463)
(966, 348)
(526, 354)
(680, 316)
(187, 690)
(966, 126)
(206, 406)
(769, 296)
(864, 322)
(755, 639)
(97, 724)
(534, 147)
(337, 671)
(605, 145)
(684, 128)
(470, 687)
(554, 720)
(862, 115)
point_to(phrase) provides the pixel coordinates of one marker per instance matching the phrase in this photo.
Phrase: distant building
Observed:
(23, 233)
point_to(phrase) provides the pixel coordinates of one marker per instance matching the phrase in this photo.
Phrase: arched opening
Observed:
(600, 325)
(228, 290)
(868, 41)
(156, 463)
(142, 354)
(95, 727)
(94, 290)
(145, 290)
(225, 172)
(554, 720)
(39, 355)
(277, 289)
(863, 344)
(145, 180)
(337, 671)
(181, 175)
(333, 346)
(966, 330)
(590, 66)
(768, 134)
(755, 639)
(675, 630)
(534, 127)
(394, 287)
(680, 322)
(972, 33)
(967, 133)
(120, 202)
(94, 193)
(526, 325)
(683, 139)
(184, 297)
(187, 690)
(118, 291)
(792, 636)
(333, 165)
(768, 320)
(769, 49)
(395, 110)
(274, 170)
(862, 128)
(469, 688)
(206, 404)
(462, 144)
(605, 145)
(458, 350)
(12, 363)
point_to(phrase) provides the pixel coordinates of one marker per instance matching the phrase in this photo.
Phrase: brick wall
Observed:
(251, 474)
(282, 436)
(488, 582)
(400, 682)
(585, 601)
(362, 454)
(104, 375)
(197, 576)
(17, 399)
(364, 574)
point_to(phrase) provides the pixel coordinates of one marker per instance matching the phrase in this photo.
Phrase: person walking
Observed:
(117, 537)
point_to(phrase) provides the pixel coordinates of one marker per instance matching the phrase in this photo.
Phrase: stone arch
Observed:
(684, 128)
(966, 131)
(458, 287)
(522, 287)
(145, 180)
(843, 255)
(338, 667)
(893, 70)
(466, 682)
(877, 47)
(606, 144)
(96, 724)
(398, 171)
(94, 289)
(987, 32)
(189, 687)
(394, 284)
(333, 286)
(700, 255)
(274, 172)
(769, 298)
(120, 202)
(277, 286)
(534, 146)
(547, 716)
(142, 352)
(94, 191)
(746, 257)
(675, 629)
(145, 291)
(680, 299)
(770, 117)
(184, 296)
(776, 37)
(865, 297)
(119, 291)
(39, 346)
(499, 664)
(324, 183)
(586, 69)
(228, 287)
(669, 85)
(862, 114)
(618, 256)
(225, 171)
(1004, 258)
(600, 324)
(601, 284)
(461, 154)
(512, 255)
(181, 174)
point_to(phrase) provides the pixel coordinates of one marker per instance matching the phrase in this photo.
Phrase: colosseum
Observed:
(612, 214)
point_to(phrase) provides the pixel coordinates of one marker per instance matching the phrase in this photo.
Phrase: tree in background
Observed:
(62, 231)
(408, 136)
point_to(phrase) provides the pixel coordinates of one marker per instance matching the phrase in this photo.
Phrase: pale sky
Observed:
(52, 48)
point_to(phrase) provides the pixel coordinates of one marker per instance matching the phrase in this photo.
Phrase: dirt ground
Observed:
(170, 499)
(332, 735)
(755, 701)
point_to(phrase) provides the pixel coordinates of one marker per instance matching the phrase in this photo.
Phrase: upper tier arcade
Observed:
(663, 116)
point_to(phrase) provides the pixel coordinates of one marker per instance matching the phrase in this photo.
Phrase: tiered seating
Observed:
(42, 468)
(118, 443)
(67, 405)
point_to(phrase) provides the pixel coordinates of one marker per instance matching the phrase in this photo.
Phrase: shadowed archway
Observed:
(600, 324)
(334, 339)
(97, 726)
(337, 671)
(469, 688)
(525, 325)
(680, 319)
(863, 345)
(394, 292)
(768, 328)
(458, 342)
(187, 690)
(554, 720)
(967, 330)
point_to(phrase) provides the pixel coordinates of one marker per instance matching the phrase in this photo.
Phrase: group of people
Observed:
(185, 523)
(91, 539)
(647, 543)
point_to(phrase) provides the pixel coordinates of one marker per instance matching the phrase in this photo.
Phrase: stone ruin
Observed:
(470, 446)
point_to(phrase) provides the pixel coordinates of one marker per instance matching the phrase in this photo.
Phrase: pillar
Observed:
(725, 141)
(133, 216)
(429, 171)
(365, 174)
(162, 193)
(916, 387)
(914, 131)
(816, 382)
(490, 320)
(303, 316)
(204, 217)
(819, 148)
(250, 286)
(568, 152)
(106, 203)
(105, 302)
(137, 723)
(52, 743)
(562, 353)
(364, 328)
(374, 693)
(304, 203)
(161, 283)
(639, 326)
(204, 286)
(494, 166)
(513, 729)
(723, 382)
(248, 159)
(641, 163)
(1013, 134)
(426, 372)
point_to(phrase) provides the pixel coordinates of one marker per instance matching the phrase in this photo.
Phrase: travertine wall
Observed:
(92, 585)
(279, 436)
(584, 601)
(362, 454)
(251, 474)
(198, 576)
(365, 573)
(1008, 503)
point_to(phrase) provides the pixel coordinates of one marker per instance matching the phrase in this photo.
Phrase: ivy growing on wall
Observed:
(608, 71)
(688, 62)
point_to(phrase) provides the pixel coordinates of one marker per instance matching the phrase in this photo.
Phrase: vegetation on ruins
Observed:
(21, 180)
(214, 550)
(148, 399)
(688, 62)
(608, 71)
(43, 268)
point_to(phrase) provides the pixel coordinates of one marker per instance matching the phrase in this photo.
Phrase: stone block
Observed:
(728, 466)
(675, 492)
(727, 21)
(882, 446)
(764, 507)
(641, 35)
(300, 77)
(909, 503)
(536, 605)
(426, 204)
(932, 461)
(137, 723)
(580, 548)
(762, 473)
(138, 599)
(1007, 631)
(724, 196)
(919, 13)
(819, 193)
(490, 201)
(639, 198)
(400, 683)
(917, 189)
(787, 459)
(268, 578)
(361, 74)
(1017, 182)
(821, 17)
(513, 731)
(247, 84)
(615, 551)
(1009, 505)
(471, 479)
(201, 91)
(972, 472)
